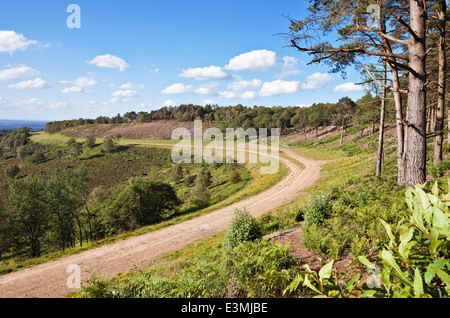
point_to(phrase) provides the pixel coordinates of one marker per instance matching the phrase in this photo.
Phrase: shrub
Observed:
(90, 141)
(242, 228)
(319, 208)
(235, 177)
(262, 269)
(12, 171)
(438, 170)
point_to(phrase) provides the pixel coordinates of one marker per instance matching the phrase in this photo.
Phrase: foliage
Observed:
(252, 269)
(235, 177)
(142, 203)
(319, 209)
(438, 169)
(415, 262)
(109, 144)
(12, 171)
(242, 228)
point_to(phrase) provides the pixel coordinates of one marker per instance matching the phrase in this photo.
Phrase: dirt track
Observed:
(49, 280)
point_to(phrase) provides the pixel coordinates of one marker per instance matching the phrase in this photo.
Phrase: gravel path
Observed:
(49, 280)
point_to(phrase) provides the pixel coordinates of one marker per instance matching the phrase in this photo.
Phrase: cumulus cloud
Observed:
(256, 60)
(204, 73)
(109, 61)
(247, 95)
(317, 80)
(17, 73)
(36, 83)
(177, 88)
(244, 85)
(289, 67)
(124, 93)
(279, 87)
(208, 89)
(348, 87)
(171, 102)
(10, 41)
(80, 85)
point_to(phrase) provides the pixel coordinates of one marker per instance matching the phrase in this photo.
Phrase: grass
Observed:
(134, 161)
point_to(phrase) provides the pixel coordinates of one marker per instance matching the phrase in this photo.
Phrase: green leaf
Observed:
(389, 232)
(366, 262)
(440, 221)
(435, 189)
(443, 276)
(429, 274)
(418, 284)
(404, 247)
(308, 283)
(389, 260)
(325, 271)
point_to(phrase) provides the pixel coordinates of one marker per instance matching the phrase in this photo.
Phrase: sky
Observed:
(88, 58)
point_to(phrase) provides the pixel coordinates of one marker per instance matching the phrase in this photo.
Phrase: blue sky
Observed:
(142, 55)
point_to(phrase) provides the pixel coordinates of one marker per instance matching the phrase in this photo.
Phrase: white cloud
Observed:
(16, 73)
(204, 73)
(244, 85)
(171, 102)
(131, 85)
(348, 87)
(289, 62)
(10, 41)
(109, 61)
(36, 83)
(73, 89)
(247, 95)
(317, 80)
(57, 105)
(80, 85)
(256, 60)
(177, 88)
(207, 89)
(279, 87)
(124, 93)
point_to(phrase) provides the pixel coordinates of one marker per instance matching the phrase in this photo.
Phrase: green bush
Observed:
(242, 228)
(319, 208)
(438, 170)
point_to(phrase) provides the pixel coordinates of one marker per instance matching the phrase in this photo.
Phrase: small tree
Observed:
(176, 173)
(109, 144)
(90, 141)
(12, 171)
(235, 177)
(242, 228)
(200, 195)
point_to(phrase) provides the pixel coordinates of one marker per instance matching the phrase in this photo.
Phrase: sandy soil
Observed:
(49, 280)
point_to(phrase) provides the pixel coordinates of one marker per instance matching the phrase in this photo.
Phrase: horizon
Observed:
(92, 59)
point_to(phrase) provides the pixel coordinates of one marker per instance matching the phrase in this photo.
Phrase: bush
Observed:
(438, 170)
(319, 208)
(12, 171)
(235, 177)
(242, 228)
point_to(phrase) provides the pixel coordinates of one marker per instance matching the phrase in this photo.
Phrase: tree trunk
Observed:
(397, 100)
(415, 147)
(381, 132)
(439, 126)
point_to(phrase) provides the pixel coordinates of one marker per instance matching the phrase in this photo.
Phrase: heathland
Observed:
(354, 232)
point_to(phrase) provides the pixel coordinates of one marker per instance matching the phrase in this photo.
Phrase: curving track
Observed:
(49, 280)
